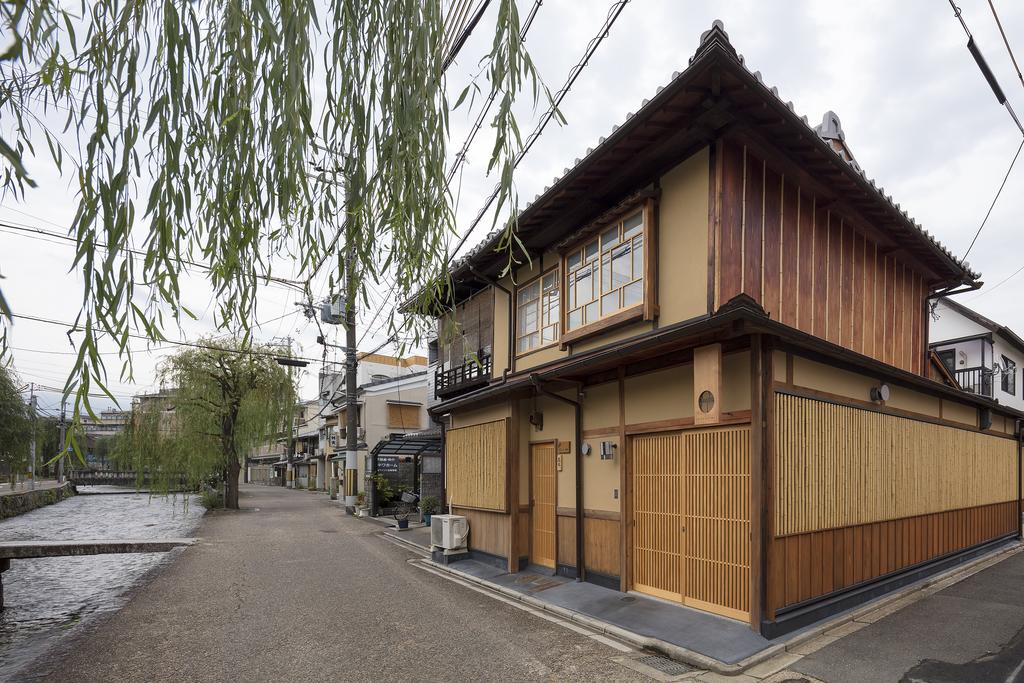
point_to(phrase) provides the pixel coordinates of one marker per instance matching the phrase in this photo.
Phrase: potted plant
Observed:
(428, 506)
(402, 516)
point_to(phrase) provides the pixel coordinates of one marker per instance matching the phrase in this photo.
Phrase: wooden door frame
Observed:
(529, 496)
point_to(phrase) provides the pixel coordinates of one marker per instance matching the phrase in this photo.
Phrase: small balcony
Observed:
(976, 380)
(470, 375)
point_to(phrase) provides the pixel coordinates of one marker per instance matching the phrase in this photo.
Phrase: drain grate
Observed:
(664, 665)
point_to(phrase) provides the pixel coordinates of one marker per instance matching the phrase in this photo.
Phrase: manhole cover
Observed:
(664, 665)
(628, 598)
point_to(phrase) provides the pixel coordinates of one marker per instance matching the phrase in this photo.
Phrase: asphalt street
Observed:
(971, 632)
(290, 589)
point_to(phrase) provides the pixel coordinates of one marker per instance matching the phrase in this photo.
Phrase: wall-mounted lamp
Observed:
(585, 449)
(880, 393)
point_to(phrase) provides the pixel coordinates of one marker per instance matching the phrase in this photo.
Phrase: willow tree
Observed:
(221, 134)
(15, 424)
(221, 401)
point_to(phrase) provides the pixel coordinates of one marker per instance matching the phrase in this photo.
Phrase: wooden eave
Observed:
(739, 317)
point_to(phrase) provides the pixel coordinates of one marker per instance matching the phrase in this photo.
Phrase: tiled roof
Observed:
(716, 35)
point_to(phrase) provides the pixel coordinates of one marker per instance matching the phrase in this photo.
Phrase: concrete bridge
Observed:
(21, 550)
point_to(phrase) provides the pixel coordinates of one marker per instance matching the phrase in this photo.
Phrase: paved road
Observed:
(972, 631)
(289, 589)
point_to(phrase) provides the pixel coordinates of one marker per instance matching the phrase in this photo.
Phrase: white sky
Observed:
(917, 114)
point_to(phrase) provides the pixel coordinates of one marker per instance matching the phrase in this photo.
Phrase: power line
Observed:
(1006, 279)
(975, 51)
(251, 352)
(993, 204)
(72, 241)
(595, 42)
(1006, 42)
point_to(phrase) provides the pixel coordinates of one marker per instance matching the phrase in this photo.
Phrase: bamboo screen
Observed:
(839, 466)
(476, 466)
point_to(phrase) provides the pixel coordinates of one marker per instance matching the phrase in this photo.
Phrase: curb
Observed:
(905, 596)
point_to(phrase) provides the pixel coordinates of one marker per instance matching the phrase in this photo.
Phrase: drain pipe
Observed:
(578, 408)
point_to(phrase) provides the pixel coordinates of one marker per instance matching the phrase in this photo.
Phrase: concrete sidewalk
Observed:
(730, 647)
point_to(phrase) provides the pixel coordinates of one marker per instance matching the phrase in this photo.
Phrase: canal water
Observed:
(49, 600)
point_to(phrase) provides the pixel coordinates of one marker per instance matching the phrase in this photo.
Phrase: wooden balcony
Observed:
(472, 374)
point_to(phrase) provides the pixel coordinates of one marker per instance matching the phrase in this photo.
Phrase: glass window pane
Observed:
(633, 225)
(584, 286)
(610, 303)
(638, 257)
(633, 293)
(524, 345)
(530, 291)
(550, 334)
(590, 250)
(592, 313)
(575, 319)
(572, 260)
(550, 309)
(621, 266)
(550, 281)
(610, 237)
(570, 290)
(606, 272)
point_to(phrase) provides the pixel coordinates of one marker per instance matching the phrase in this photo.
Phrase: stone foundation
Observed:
(19, 503)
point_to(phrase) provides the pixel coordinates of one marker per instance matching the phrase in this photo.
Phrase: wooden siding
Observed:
(839, 466)
(566, 540)
(476, 466)
(814, 269)
(601, 545)
(691, 518)
(488, 531)
(811, 565)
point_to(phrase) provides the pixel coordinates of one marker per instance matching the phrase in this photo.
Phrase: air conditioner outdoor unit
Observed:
(449, 532)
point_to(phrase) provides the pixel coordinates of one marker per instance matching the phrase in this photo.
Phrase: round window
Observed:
(706, 401)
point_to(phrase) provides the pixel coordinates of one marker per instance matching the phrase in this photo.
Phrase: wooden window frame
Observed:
(556, 269)
(647, 308)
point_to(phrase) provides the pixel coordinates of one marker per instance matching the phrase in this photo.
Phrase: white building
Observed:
(982, 355)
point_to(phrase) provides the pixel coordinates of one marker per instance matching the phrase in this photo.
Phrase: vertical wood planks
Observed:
(813, 268)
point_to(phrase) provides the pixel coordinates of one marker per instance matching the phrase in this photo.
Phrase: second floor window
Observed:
(537, 313)
(606, 274)
(1009, 376)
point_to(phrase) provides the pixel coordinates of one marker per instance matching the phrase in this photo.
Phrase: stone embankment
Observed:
(20, 502)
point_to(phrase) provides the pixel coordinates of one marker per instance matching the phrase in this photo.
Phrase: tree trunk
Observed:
(231, 485)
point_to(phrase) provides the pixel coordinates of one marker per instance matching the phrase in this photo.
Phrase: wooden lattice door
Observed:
(542, 513)
(657, 515)
(691, 518)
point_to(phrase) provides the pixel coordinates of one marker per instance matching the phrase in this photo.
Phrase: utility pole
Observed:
(351, 365)
(32, 446)
(60, 444)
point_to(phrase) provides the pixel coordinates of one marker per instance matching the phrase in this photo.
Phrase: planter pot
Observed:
(426, 519)
(403, 523)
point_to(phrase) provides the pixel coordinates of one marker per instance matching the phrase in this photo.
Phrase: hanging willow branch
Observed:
(228, 131)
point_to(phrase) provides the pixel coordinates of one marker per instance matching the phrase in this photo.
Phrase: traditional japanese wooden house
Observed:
(711, 383)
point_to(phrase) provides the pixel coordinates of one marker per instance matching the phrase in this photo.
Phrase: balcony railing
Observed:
(471, 374)
(975, 380)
